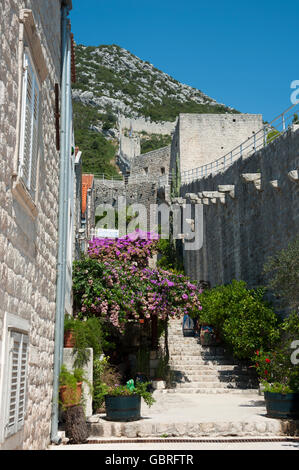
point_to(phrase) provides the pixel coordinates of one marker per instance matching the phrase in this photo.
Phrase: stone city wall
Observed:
(144, 125)
(154, 164)
(143, 193)
(202, 138)
(253, 212)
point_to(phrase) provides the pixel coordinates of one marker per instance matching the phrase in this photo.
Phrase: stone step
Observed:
(221, 370)
(209, 384)
(213, 367)
(144, 429)
(183, 376)
(185, 360)
(211, 390)
(189, 352)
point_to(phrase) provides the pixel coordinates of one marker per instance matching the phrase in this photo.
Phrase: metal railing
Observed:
(271, 131)
(103, 177)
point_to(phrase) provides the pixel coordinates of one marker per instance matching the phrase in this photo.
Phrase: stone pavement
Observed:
(194, 416)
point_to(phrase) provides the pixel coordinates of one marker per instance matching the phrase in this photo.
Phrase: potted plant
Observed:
(104, 375)
(70, 386)
(82, 334)
(279, 374)
(69, 330)
(123, 402)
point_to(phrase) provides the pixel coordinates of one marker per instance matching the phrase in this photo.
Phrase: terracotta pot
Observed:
(69, 339)
(70, 396)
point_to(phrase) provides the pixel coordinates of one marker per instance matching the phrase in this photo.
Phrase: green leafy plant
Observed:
(140, 388)
(88, 333)
(143, 355)
(168, 256)
(272, 135)
(243, 319)
(154, 142)
(104, 375)
(70, 381)
(115, 282)
(283, 272)
(275, 368)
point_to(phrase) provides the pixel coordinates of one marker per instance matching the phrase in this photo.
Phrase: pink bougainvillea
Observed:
(115, 281)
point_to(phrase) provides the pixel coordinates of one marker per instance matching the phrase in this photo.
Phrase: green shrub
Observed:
(70, 379)
(104, 375)
(155, 142)
(87, 334)
(276, 368)
(168, 257)
(244, 321)
(283, 272)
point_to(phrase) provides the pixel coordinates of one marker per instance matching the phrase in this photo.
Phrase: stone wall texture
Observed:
(144, 125)
(28, 245)
(262, 217)
(141, 187)
(202, 138)
(154, 164)
(117, 193)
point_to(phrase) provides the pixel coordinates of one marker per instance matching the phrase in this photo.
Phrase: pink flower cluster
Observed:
(136, 247)
(115, 282)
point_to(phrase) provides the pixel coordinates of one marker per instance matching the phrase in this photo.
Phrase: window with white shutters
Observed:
(18, 362)
(29, 126)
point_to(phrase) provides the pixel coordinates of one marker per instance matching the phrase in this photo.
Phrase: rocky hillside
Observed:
(112, 79)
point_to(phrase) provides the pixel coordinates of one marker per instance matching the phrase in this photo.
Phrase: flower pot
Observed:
(69, 339)
(281, 405)
(188, 326)
(123, 408)
(70, 396)
(207, 336)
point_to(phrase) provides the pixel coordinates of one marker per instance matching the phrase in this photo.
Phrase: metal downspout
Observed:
(68, 96)
(62, 229)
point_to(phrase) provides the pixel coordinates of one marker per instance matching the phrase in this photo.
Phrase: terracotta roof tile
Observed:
(87, 182)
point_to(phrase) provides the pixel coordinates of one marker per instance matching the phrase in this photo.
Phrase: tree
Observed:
(283, 272)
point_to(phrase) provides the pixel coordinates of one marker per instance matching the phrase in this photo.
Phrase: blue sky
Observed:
(241, 53)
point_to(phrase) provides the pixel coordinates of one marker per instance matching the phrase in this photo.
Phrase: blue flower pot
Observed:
(123, 408)
(281, 405)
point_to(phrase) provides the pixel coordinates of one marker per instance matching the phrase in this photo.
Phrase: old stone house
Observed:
(37, 164)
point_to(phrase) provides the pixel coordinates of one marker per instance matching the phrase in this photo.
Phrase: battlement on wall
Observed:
(250, 211)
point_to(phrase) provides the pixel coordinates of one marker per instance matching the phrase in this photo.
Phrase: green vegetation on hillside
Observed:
(98, 153)
(154, 142)
(170, 109)
(140, 83)
(110, 71)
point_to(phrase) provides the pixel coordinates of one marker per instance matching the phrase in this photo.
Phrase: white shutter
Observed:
(29, 126)
(34, 153)
(17, 382)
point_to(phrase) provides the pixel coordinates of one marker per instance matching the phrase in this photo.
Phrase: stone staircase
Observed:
(204, 369)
